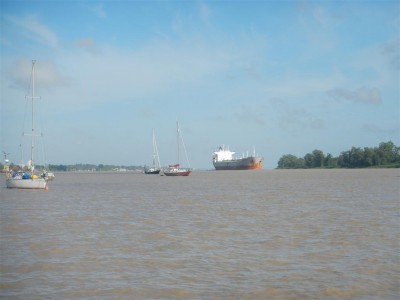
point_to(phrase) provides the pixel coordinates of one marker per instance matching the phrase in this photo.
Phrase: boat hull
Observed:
(175, 172)
(248, 163)
(178, 174)
(36, 183)
(152, 172)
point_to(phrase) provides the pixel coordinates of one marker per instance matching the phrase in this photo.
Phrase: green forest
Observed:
(386, 155)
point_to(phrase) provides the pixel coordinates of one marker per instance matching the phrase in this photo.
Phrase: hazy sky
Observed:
(285, 77)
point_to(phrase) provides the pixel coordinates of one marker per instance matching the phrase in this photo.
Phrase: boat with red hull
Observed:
(175, 169)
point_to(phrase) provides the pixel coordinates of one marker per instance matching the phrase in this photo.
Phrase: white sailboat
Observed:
(29, 179)
(175, 169)
(156, 168)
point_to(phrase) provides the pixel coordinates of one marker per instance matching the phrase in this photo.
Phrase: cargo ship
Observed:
(224, 159)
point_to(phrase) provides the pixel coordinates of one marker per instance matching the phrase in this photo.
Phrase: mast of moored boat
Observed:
(33, 117)
(20, 179)
(154, 152)
(177, 138)
(156, 158)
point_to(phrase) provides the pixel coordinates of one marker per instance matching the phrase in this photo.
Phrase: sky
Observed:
(280, 77)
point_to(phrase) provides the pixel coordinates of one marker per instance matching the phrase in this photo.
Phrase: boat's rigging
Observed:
(42, 125)
(176, 169)
(29, 98)
(156, 157)
(28, 178)
(180, 137)
(156, 166)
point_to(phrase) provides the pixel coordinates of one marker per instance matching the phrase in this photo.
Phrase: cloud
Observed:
(379, 63)
(99, 11)
(376, 129)
(318, 25)
(158, 69)
(47, 74)
(361, 95)
(248, 114)
(391, 51)
(205, 12)
(298, 118)
(184, 24)
(293, 116)
(178, 25)
(87, 44)
(33, 29)
(293, 85)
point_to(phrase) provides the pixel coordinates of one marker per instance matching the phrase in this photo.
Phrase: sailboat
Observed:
(30, 178)
(175, 169)
(156, 168)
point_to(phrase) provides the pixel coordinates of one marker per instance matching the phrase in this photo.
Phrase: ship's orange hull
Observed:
(249, 163)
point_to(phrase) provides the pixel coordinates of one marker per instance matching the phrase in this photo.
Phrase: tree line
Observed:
(385, 155)
(80, 167)
(93, 167)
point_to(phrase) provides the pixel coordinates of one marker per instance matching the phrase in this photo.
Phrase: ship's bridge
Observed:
(223, 154)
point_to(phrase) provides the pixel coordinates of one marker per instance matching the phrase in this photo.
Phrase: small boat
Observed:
(29, 178)
(175, 169)
(151, 171)
(50, 176)
(156, 168)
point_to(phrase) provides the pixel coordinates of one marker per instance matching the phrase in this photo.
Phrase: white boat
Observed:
(175, 169)
(25, 180)
(29, 178)
(156, 168)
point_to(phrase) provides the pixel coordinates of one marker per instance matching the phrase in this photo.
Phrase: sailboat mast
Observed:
(33, 115)
(155, 150)
(177, 138)
(153, 155)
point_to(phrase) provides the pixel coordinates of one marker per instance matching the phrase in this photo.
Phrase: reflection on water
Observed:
(293, 234)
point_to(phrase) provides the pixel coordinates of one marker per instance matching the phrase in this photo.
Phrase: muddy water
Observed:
(293, 234)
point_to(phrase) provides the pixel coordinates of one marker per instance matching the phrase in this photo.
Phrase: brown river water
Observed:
(270, 234)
